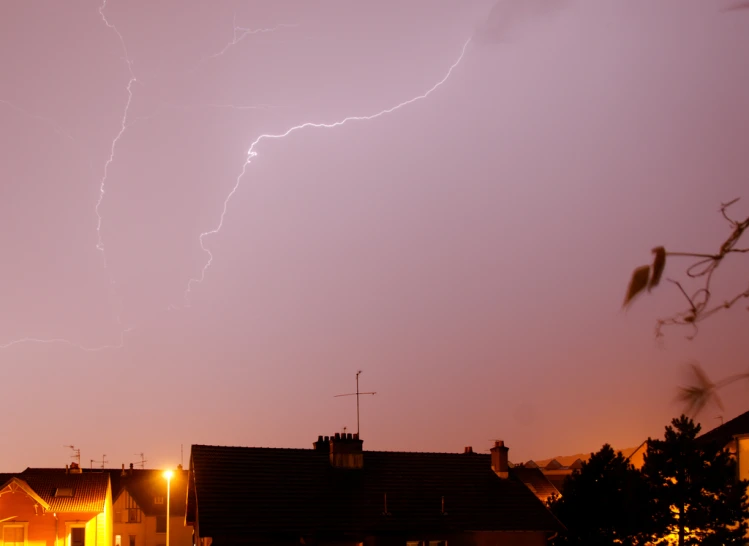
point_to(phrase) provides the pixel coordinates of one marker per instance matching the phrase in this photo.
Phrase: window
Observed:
(117, 540)
(132, 512)
(161, 524)
(132, 540)
(158, 500)
(77, 536)
(14, 535)
(64, 492)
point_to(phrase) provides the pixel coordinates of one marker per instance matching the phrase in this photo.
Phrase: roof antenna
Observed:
(143, 460)
(181, 455)
(76, 454)
(103, 461)
(357, 393)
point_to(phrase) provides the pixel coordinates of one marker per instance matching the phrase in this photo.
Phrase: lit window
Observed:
(14, 535)
(132, 512)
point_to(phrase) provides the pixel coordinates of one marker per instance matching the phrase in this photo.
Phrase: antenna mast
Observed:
(357, 393)
(76, 454)
(143, 460)
(103, 461)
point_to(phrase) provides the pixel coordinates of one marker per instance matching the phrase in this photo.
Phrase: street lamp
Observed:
(168, 475)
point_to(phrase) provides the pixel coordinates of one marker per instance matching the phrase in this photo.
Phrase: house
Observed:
(535, 480)
(554, 472)
(734, 435)
(140, 497)
(338, 494)
(55, 507)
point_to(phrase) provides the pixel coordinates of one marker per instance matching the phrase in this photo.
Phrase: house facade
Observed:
(55, 507)
(140, 499)
(338, 494)
(734, 435)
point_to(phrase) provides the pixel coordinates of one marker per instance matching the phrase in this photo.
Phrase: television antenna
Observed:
(357, 393)
(76, 454)
(143, 460)
(102, 462)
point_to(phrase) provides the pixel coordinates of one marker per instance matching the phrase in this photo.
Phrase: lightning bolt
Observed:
(123, 127)
(252, 153)
(99, 218)
(62, 341)
(239, 34)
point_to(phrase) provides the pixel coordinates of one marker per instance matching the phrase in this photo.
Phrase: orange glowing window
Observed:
(13, 535)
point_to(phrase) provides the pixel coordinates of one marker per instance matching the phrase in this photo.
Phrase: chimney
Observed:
(500, 465)
(75, 469)
(322, 444)
(468, 449)
(66, 469)
(131, 468)
(123, 470)
(346, 451)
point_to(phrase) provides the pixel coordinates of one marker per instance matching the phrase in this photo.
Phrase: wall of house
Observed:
(179, 535)
(145, 531)
(125, 529)
(742, 454)
(105, 522)
(498, 538)
(44, 529)
(480, 538)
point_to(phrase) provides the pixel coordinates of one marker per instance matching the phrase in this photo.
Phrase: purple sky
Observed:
(469, 251)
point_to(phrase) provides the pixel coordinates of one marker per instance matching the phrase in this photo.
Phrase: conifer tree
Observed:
(605, 502)
(695, 488)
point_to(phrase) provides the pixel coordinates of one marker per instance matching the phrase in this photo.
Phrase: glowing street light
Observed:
(168, 475)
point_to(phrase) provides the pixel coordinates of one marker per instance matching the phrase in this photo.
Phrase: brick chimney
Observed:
(345, 451)
(500, 464)
(322, 444)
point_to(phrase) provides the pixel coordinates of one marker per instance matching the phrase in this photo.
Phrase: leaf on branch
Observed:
(697, 395)
(659, 264)
(637, 284)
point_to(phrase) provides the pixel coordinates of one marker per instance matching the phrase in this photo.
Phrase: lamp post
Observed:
(168, 475)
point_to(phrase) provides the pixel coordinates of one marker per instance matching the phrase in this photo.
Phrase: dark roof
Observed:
(146, 485)
(553, 465)
(576, 465)
(725, 432)
(536, 481)
(89, 490)
(260, 491)
(557, 480)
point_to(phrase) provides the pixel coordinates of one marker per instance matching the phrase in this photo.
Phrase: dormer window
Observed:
(64, 492)
(158, 500)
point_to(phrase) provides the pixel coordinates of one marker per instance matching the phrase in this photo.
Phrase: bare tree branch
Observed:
(700, 307)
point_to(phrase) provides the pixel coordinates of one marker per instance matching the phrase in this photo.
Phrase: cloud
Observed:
(737, 7)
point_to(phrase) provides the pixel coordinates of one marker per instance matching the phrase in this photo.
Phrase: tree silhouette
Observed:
(697, 496)
(605, 502)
